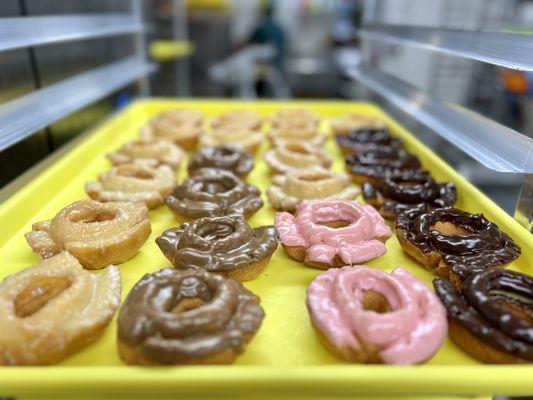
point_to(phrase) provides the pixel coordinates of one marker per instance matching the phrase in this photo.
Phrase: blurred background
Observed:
(276, 49)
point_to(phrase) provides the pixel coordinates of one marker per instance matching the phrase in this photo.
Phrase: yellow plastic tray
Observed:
(285, 357)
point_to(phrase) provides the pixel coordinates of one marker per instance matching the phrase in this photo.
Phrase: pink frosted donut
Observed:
(409, 332)
(308, 238)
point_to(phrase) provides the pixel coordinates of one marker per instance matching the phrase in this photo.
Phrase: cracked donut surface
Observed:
(181, 126)
(369, 316)
(212, 193)
(153, 152)
(225, 245)
(287, 191)
(491, 314)
(295, 155)
(444, 237)
(187, 317)
(54, 309)
(97, 234)
(229, 158)
(133, 182)
(326, 234)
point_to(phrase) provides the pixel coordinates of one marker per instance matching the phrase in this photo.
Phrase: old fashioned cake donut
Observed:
(153, 152)
(186, 317)
(295, 155)
(97, 234)
(224, 245)
(326, 234)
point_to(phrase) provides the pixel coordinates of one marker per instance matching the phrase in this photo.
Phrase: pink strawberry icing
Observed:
(410, 333)
(355, 243)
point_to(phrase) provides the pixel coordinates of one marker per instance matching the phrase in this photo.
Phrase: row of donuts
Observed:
(57, 307)
(488, 307)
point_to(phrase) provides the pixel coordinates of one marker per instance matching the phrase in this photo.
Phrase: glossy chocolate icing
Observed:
(229, 316)
(368, 139)
(217, 244)
(379, 163)
(496, 306)
(404, 190)
(214, 192)
(483, 247)
(229, 158)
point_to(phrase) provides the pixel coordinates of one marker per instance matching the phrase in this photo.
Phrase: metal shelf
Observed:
(510, 50)
(20, 32)
(27, 114)
(493, 145)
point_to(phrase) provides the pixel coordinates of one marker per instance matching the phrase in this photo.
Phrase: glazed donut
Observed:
(225, 245)
(295, 155)
(186, 317)
(229, 158)
(54, 309)
(295, 118)
(236, 137)
(326, 234)
(238, 120)
(287, 191)
(214, 193)
(444, 237)
(367, 140)
(368, 316)
(181, 126)
(375, 165)
(491, 316)
(133, 182)
(408, 189)
(97, 234)
(153, 152)
(306, 134)
(350, 122)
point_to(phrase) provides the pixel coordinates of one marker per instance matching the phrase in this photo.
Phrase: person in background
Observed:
(268, 31)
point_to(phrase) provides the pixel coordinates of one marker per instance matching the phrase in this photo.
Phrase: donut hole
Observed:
(215, 231)
(187, 304)
(314, 177)
(374, 301)
(136, 173)
(38, 293)
(97, 216)
(449, 228)
(213, 186)
(335, 224)
(296, 148)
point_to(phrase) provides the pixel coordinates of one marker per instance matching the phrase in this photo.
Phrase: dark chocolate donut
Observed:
(186, 317)
(403, 190)
(230, 158)
(226, 245)
(374, 165)
(491, 314)
(212, 193)
(366, 140)
(461, 238)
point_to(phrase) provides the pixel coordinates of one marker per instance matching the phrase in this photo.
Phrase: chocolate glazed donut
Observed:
(214, 192)
(225, 245)
(229, 158)
(405, 190)
(491, 315)
(442, 238)
(186, 317)
(374, 165)
(368, 140)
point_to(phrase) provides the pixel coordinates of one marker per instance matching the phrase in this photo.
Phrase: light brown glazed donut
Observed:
(250, 140)
(238, 120)
(352, 121)
(133, 182)
(54, 309)
(181, 126)
(97, 234)
(153, 152)
(287, 191)
(295, 155)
